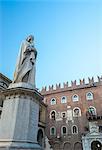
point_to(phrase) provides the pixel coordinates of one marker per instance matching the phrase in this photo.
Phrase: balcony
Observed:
(93, 117)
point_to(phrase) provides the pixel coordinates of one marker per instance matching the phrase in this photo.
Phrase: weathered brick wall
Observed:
(83, 104)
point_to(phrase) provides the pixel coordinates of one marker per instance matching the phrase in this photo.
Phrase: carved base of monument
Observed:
(19, 119)
(19, 146)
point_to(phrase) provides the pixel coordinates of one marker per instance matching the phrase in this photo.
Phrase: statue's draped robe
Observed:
(26, 64)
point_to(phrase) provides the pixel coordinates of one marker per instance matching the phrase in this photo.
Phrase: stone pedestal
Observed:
(19, 119)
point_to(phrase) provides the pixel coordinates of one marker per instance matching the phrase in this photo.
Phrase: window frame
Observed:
(75, 100)
(51, 113)
(54, 131)
(89, 98)
(52, 103)
(74, 112)
(62, 114)
(62, 100)
(95, 112)
(62, 130)
(76, 129)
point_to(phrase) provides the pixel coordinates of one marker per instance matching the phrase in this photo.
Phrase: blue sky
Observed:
(68, 38)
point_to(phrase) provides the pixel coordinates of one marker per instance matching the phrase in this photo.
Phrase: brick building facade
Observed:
(74, 115)
(70, 111)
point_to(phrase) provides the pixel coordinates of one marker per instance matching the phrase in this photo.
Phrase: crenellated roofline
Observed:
(82, 84)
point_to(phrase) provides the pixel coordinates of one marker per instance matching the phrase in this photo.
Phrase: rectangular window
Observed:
(63, 114)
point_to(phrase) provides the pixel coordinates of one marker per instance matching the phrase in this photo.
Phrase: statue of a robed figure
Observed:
(25, 67)
(20, 114)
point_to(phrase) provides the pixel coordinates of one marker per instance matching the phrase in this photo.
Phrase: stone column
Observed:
(19, 119)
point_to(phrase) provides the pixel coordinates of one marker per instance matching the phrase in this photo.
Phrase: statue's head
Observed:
(30, 38)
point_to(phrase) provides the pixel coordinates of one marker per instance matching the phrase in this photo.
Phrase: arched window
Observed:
(53, 131)
(89, 96)
(53, 101)
(63, 100)
(64, 130)
(100, 128)
(76, 112)
(92, 110)
(53, 114)
(75, 98)
(40, 137)
(74, 129)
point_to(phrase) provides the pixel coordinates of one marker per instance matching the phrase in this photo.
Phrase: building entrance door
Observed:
(67, 146)
(96, 145)
(56, 146)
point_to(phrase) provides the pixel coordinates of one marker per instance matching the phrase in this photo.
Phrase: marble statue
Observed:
(20, 114)
(25, 68)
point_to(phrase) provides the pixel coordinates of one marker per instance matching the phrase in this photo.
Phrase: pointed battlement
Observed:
(58, 86)
(82, 82)
(51, 88)
(91, 80)
(74, 85)
(65, 85)
(99, 79)
(44, 89)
